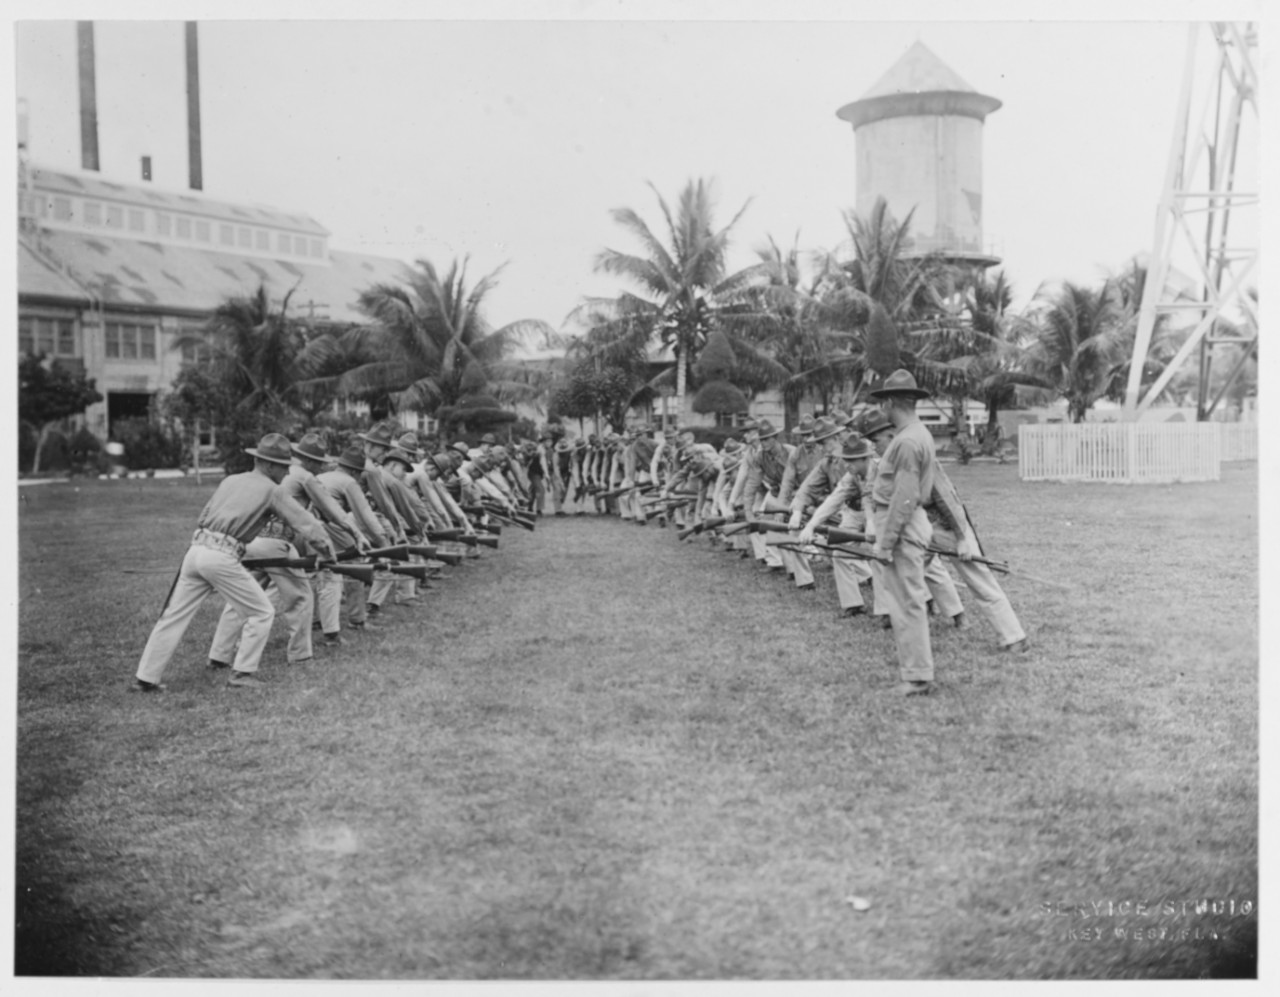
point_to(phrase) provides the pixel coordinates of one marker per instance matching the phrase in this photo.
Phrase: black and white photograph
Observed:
(636, 494)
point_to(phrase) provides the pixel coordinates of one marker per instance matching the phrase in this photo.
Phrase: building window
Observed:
(136, 221)
(244, 238)
(317, 248)
(62, 209)
(164, 224)
(115, 216)
(300, 245)
(92, 213)
(283, 242)
(262, 240)
(55, 337)
(227, 235)
(184, 227)
(128, 341)
(202, 231)
(195, 351)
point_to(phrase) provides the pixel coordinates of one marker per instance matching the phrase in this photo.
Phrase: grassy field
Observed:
(601, 754)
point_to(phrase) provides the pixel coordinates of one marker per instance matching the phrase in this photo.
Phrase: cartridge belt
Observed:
(218, 541)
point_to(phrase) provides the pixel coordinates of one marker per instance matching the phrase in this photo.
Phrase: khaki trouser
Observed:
(204, 571)
(765, 552)
(906, 594)
(292, 597)
(327, 588)
(942, 587)
(848, 571)
(797, 562)
(987, 592)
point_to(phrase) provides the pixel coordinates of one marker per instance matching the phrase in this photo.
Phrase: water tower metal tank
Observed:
(918, 133)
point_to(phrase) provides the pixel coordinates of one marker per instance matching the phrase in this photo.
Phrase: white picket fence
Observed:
(1122, 452)
(1239, 440)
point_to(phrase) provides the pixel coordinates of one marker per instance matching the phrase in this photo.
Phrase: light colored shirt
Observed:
(800, 462)
(243, 503)
(904, 480)
(305, 488)
(348, 493)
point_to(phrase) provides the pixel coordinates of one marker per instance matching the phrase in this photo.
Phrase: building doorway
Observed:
(127, 405)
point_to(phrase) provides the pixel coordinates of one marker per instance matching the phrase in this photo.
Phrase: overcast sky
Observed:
(512, 140)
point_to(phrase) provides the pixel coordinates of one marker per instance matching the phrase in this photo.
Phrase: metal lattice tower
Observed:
(1195, 215)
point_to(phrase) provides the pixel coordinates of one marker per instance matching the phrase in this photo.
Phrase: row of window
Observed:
(56, 337)
(177, 226)
(127, 341)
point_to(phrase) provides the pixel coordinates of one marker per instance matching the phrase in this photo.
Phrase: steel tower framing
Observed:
(1201, 181)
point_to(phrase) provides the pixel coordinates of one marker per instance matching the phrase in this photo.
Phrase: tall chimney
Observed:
(88, 98)
(193, 108)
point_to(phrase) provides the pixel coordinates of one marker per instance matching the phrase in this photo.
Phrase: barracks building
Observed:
(118, 279)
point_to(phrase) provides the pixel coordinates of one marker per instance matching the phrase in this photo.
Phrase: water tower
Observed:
(918, 133)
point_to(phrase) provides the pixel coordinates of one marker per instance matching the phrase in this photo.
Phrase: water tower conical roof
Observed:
(918, 71)
(918, 83)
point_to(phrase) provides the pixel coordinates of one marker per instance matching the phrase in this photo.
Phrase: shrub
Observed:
(86, 453)
(147, 444)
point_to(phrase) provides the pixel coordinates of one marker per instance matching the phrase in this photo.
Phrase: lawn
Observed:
(598, 753)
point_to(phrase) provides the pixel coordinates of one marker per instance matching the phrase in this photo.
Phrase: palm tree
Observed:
(259, 361)
(684, 288)
(256, 350)
(986, 343)
(911, 294)
(790, 330)
(424, 337)
(1079, 342)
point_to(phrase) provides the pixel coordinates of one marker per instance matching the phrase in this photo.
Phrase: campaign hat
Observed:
(409, 443)
(857, 447)
(900, 383)
(874, 422)
(312, 447)
(768, 430)
(732, 446)
(380, 435)
(274, 447)
(352, 458)
(489, 438)
(442, 462)
(395, 453)
(461, 448)
(824, 429)
(805, 426)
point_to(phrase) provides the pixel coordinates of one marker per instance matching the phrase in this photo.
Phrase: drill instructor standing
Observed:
(902, 486)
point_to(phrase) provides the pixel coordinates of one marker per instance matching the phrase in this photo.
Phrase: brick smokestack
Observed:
(88, 97)
(194, 165)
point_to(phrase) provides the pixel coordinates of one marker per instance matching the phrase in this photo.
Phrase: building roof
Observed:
(918, 71)
(86, 184)
(39, 277)
(130, 273)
